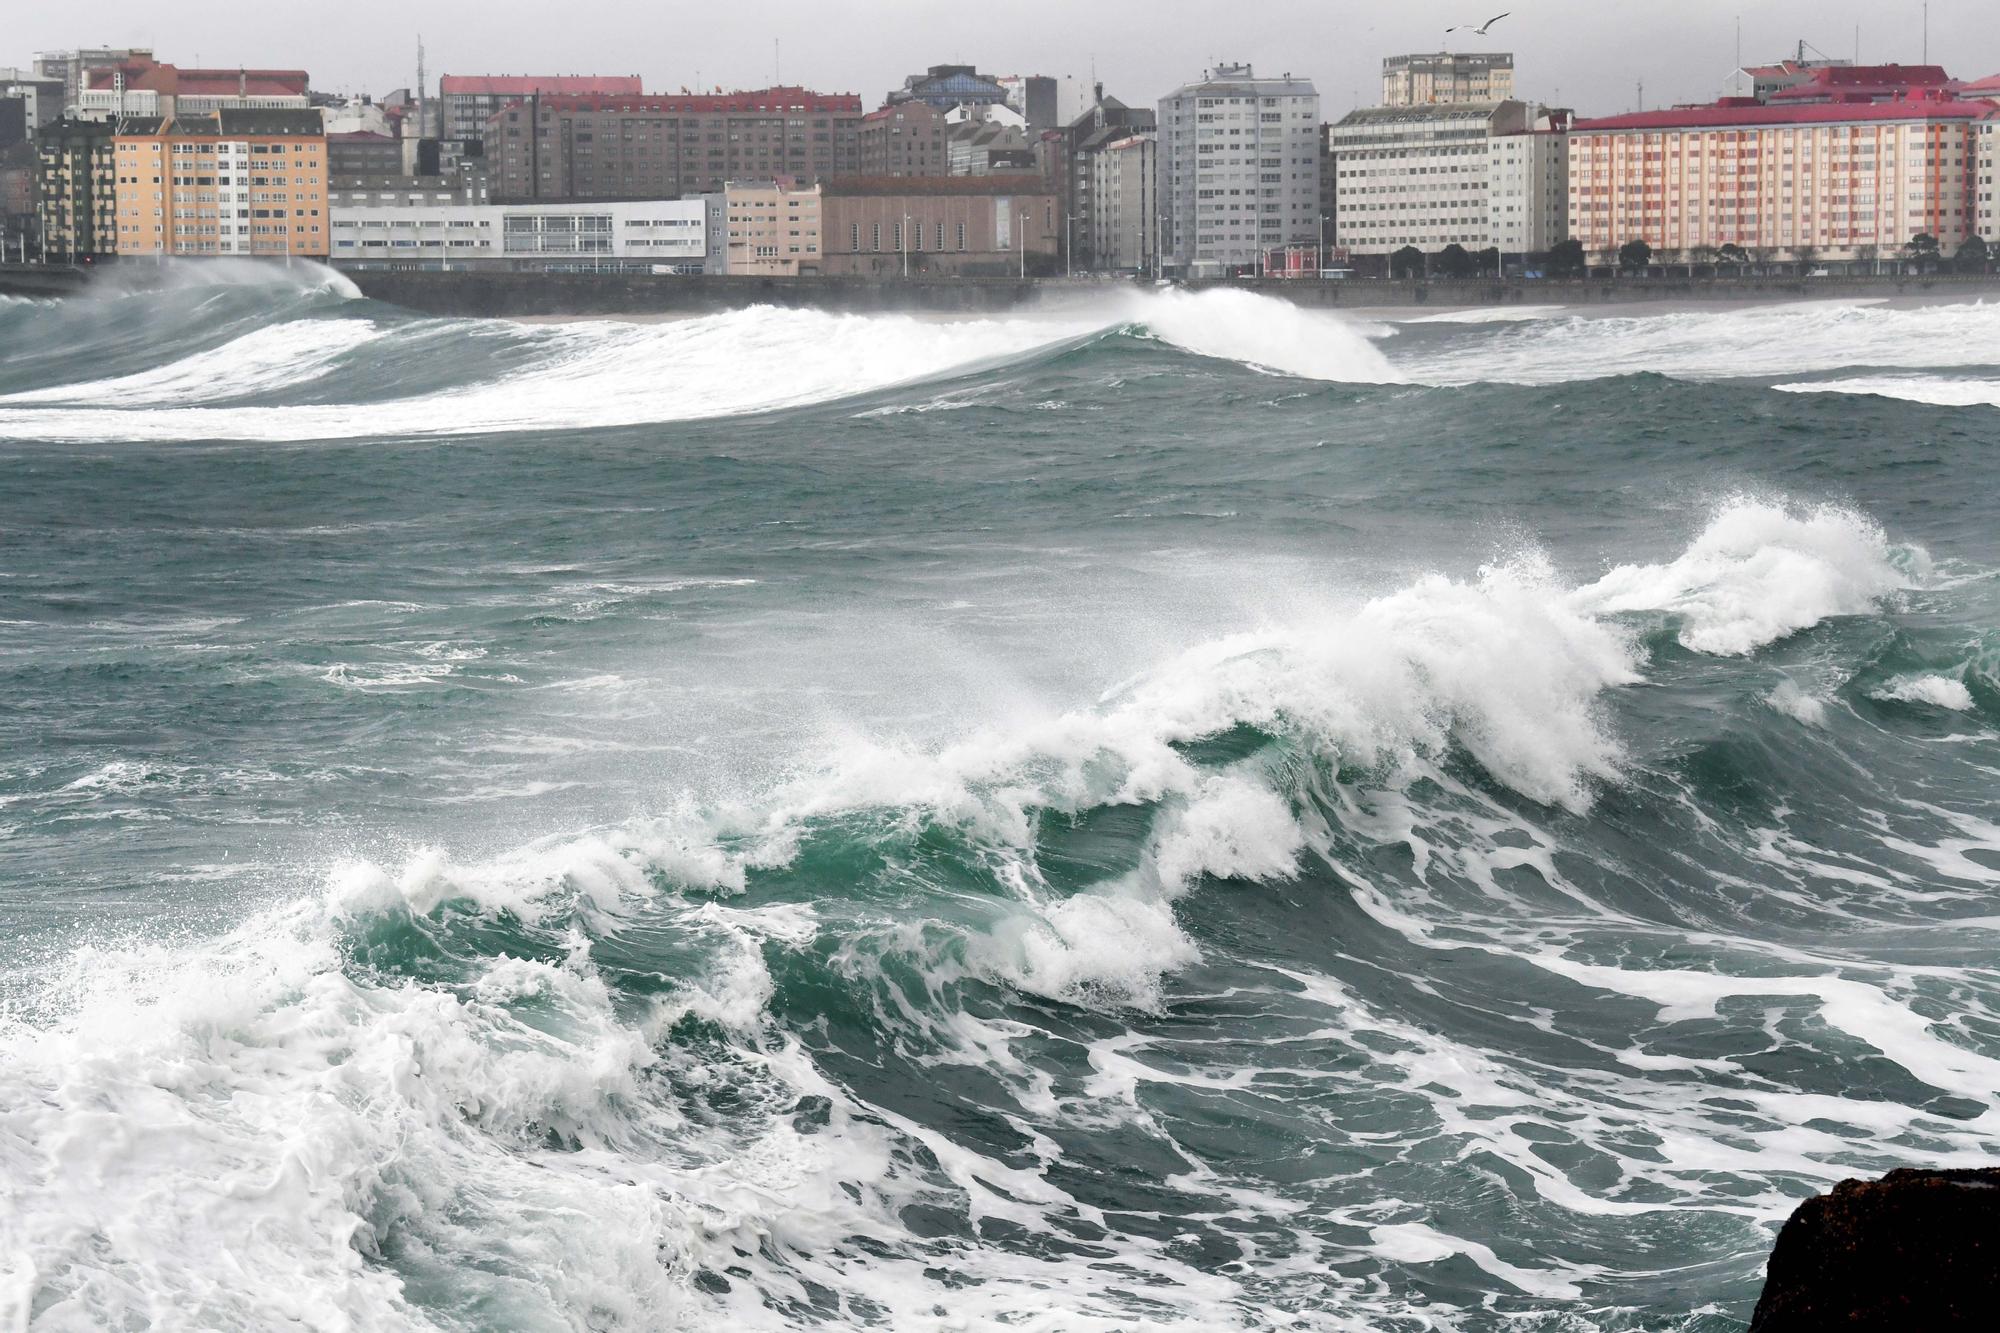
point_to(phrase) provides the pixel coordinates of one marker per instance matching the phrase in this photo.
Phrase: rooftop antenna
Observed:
(1642, 94)
(777, 78)
(1927, 32)
(1739, 41)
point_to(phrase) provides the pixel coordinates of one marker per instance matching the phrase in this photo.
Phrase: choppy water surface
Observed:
(1175, 813)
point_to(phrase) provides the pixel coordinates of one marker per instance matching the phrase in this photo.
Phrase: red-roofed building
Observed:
(141, 86)
(1835, 181)
(665, 146)
(468, 99)
(1981, 90)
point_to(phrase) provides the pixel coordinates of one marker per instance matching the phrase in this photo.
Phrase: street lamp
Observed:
(1321, 273)
(903, 234)
(1021, 244)
(1069, 245)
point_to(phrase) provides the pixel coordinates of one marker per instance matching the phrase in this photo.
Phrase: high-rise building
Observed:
(1035, 96)
(1105, 122)
(1239, 168)
(663, 147)
(238, 182)
(1124, 218)
(1447, 76)
(1829, 181)
(469, 100)
(904, 139)
(76, 183)
(1474, 174)
(39, 100)
(142, 86)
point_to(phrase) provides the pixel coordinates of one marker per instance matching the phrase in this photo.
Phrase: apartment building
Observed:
(1476, 174)
(1445, 76)
(1239, 168)
(1105, 122)
(39, 97)
(234, 183)
(661, 147)
(142, 86)
(904, 139)
(1124, 217)
(76, 198)
(1834, 181)
(975, 226)
(764, 228)
(1986, 180)
(1527, 205)
(1035, 96)
(468, 101)
(640, 234)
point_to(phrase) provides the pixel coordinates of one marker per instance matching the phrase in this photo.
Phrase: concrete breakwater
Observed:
(521, 294)
(515, 294)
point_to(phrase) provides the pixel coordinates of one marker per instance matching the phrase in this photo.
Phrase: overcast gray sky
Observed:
(1590, 54)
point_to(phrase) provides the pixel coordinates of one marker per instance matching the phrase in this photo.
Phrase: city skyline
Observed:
(1568, 53)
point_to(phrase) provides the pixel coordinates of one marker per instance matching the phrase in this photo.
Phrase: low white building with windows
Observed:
(659, 235)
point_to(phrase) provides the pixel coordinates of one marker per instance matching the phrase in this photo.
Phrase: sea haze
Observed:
(1166, 812)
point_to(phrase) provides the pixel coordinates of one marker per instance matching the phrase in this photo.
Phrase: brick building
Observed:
(663, 147)
(468, 100)
(904, 139)
(974, 226)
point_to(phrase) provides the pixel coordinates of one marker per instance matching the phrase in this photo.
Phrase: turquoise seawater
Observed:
(1168, 812)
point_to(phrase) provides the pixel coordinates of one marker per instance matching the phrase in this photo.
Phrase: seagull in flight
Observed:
(1480, 30)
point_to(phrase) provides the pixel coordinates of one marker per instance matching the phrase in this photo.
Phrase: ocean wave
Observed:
(1704, 344)
(1932, 390)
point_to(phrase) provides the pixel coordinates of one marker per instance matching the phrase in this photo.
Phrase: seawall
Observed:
(517, 294)
(512, 294)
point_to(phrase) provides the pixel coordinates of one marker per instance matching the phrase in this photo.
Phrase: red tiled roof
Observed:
(525, 85)
(850, 186)
(1725, 117)
(1989, 84)
(151, 77)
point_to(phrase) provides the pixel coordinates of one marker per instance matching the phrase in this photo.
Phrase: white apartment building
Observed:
(1238, 168)
(1527, 206)
(1125, 217)
(553, 237)
(1476, 174)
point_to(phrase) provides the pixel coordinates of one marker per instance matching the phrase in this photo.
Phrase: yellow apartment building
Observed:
(237, 182)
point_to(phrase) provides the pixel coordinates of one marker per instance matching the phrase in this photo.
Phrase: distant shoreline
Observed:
(574, 295)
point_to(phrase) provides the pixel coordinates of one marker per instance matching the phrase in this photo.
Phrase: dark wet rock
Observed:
(1915, 1250)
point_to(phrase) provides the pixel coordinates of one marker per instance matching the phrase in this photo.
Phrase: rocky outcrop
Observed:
(1915, 1250)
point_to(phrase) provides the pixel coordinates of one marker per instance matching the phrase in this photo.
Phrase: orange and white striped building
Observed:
(230, 183)
(1837, 181)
